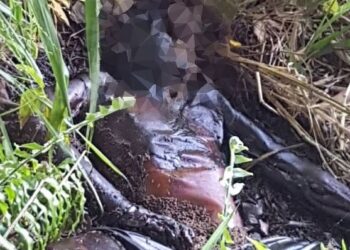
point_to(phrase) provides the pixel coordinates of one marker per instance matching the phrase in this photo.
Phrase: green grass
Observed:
(93, 48)
(23, 26)
(321, 44)
(48, 35)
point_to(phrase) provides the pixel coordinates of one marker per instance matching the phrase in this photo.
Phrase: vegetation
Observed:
(40, 200)
(299, 57)
(231, 173)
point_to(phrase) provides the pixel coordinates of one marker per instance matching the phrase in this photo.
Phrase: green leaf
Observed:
(91, 117)
(240, 159)
(331, 7)
(324, 45)
(258, 245)
(6, 142)
(240, 173)
(128, 101)
(102, 156)
(22, 154)
(32, 146)
(31, 103)
(326, 24)
(227, 237)
(31, 72)
(343, 245)
(3, 207)
(322, 247)
(49, 38)
(236, 145)
(93, 48)
(10, 193)
(104, 111)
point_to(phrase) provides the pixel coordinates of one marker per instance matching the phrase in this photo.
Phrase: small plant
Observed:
(222, 233)
(38, 200)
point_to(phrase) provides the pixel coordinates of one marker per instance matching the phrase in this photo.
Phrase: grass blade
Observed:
(92, 39)
(326, 24)
(215, 237)
(15, 42)
(324, 45)
(102, 156)
(48, 35)
(6, 142)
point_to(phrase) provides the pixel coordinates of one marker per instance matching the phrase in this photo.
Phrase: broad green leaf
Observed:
(128, 101)
(322, 247)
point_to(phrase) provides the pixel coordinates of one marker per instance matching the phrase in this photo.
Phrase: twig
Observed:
(271, 153)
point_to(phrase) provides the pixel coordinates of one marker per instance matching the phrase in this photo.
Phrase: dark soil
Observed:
(269, 213)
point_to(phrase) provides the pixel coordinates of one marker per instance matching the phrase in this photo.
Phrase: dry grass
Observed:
(311, 91)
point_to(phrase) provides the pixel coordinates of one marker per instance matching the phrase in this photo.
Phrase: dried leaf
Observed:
(59, 12)
(65, 3)
(235, 44)
(260, 31)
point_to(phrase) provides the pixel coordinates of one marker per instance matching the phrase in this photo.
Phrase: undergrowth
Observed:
(40, 200)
